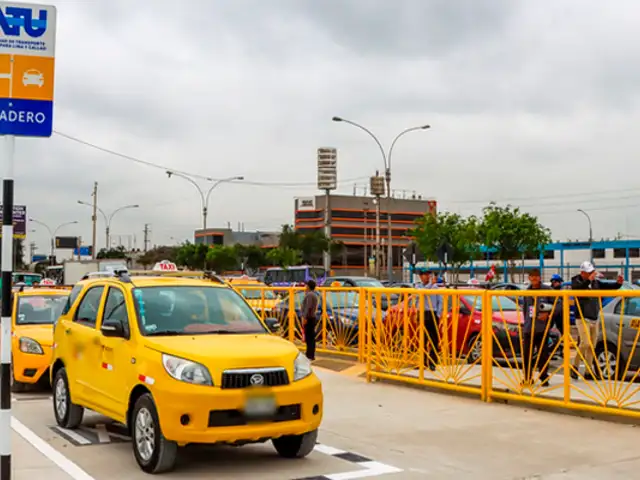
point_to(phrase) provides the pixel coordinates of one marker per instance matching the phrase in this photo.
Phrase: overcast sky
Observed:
(530, 102)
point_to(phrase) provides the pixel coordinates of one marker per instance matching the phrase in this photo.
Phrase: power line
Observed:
(542, 197)
(191, 174)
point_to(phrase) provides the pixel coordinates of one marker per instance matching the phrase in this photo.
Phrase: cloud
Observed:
(525, 99)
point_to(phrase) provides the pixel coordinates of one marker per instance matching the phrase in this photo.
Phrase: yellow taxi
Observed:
(35, 310)
(257, 294)
(181, 361)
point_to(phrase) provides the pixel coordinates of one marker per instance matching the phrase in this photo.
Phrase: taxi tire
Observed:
(296, 446)
(165, 451)
(74, 413)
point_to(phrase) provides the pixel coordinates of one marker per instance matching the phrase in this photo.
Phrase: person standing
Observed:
(432, 312)
(537, 313)
(589, 307)
(309, 318)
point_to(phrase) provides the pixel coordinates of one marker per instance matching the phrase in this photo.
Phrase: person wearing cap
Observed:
(588, 279)
(432, 312)
(556, 284)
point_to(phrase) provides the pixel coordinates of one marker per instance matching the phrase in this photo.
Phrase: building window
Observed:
(309, 214)
(619, 253)
(549, 254)
(598, 253)
(634, 252)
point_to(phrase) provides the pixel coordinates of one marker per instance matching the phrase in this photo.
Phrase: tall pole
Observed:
(5, 337)
(327, 231)
(386, 157)
(94, 219)
(366, 257)
(590, 231)
(378, 249)
(146, 236)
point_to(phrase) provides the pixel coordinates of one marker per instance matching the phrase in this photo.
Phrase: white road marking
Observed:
(70, 468)
(327, 450)
(371, 469)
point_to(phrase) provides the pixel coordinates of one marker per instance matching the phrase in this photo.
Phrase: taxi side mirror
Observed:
(272, 324)
(113, 328)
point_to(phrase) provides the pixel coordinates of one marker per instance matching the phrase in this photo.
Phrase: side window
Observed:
(87, 313)
(71, 299)
(115, 308)
(631, 307)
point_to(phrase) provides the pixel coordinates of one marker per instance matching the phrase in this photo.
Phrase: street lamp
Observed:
(590, 231)
(52, 233)
(204, 197)
(108, 218)
(386, 158)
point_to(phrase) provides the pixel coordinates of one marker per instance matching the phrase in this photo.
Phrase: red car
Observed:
(507, 320)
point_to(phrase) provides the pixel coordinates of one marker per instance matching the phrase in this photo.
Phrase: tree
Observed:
(433, 231)
(157, 254)
(284, 257)
(118, 252)
(512, 234)
(251, 257)
(222, 259)
(194, 257)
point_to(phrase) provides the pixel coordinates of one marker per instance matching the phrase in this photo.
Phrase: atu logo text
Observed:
(12, 19)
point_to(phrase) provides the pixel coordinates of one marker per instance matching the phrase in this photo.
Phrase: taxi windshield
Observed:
(194, 310)
(252, 293)
(39, 309)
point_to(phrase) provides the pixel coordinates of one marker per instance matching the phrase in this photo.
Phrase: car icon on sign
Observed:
(33, 77)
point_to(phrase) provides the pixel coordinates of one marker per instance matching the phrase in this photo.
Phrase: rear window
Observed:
(39, 309)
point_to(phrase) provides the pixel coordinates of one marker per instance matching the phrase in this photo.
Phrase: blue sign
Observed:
(27, 65)
(38, 258)
(14, 19)
(84, 251)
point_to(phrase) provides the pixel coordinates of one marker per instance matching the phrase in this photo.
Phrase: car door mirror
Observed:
(464, 310)
(113, 328)
(272, 324)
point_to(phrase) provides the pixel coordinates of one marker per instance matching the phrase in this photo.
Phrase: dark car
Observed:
(363, 282)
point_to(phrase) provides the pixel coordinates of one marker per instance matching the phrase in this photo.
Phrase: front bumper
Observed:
(30, 368)
(216, 415)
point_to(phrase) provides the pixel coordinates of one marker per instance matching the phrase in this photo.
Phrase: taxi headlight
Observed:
(186, 370)
(301, 367)
(29, 345)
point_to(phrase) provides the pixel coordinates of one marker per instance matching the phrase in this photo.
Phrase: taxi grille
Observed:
(259, 377)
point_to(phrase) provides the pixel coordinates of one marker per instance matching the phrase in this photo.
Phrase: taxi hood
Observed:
(220, 352)
(43, 334)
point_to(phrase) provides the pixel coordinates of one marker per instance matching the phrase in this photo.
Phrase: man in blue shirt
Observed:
(432, 313)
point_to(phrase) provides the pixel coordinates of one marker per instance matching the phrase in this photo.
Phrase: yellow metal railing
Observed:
(476, 341)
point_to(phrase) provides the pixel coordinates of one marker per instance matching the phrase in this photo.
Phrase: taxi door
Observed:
(83, 338)
(117, 369)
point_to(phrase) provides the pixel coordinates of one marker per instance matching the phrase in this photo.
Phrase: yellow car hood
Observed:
(223, 352)
(43, 334)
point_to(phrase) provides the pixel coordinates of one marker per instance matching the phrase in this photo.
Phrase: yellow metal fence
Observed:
(578, 351)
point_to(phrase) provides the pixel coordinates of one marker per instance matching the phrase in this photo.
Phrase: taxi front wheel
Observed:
(68, 415)
(153, 452)
(296, 446)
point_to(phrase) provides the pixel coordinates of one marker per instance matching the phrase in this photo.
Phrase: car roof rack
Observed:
(122, 275)
(208, 275)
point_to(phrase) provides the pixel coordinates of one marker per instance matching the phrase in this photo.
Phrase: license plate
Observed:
(635, 323)
(260, 407)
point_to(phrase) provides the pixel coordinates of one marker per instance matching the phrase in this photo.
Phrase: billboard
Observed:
(70, 243)
(19, 221)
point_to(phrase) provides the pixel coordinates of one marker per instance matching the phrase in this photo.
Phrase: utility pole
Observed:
(146, 236)
(94, 218)
(327, 181)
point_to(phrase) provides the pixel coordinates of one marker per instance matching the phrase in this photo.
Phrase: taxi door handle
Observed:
(67, 331)
(96, 341)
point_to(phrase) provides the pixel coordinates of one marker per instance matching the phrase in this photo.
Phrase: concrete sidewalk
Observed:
(29, 462)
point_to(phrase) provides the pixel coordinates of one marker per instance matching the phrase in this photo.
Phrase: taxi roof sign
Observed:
(27, 59)
(165, 266)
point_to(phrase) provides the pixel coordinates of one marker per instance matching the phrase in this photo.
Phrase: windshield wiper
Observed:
(167, 333)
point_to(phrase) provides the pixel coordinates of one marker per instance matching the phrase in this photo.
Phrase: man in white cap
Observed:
(589, 307)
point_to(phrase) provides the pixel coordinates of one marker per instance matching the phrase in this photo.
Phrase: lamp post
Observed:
(108, 219)
(205, 197)
(386, 157)
(52, 234)
(590, 230)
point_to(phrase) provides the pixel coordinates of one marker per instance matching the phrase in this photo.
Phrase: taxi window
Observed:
(257, 294)
(115, 308)
(39, 309)
(75, 291)
(187, 310)
(87, 313)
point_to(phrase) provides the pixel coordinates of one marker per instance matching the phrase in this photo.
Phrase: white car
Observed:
(33, 77)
